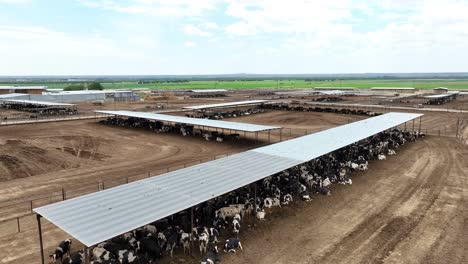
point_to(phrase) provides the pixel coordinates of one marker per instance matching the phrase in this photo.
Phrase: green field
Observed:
(279, 84)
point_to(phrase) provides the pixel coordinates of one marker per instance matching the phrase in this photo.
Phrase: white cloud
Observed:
(15, 1)
(190, 44)
(192, 30)
(160, 8)
(210, 25)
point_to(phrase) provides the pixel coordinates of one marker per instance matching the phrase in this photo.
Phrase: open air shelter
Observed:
(100, 216)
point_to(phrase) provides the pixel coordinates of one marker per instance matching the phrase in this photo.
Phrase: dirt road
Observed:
(411, 208)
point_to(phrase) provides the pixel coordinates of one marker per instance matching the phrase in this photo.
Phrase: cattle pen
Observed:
(203, 124)
(112, 212)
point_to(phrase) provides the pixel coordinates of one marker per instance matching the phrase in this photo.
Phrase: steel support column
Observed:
(41, 245)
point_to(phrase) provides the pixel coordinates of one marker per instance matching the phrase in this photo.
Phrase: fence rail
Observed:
(17, 216)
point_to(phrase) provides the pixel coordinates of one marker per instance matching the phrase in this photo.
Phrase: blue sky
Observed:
(62, 37)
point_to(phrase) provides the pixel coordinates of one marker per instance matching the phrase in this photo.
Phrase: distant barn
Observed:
(23, 89)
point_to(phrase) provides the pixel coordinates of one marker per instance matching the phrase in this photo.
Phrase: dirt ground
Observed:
(408, 209)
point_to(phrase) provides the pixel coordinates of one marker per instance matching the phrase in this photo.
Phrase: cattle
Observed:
(236, 226)
(76, 258)
(101, 254)
(212, 257)
(149, 247)
(260, 214)
(232, 244)
(287, 198)
(61, 250)
(203, 240)
(230, 211)
(185, 241)
(382, 157)
(213, 234)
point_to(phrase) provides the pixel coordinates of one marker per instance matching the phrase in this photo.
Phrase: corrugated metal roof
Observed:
(392, 88)
(315, 145)
(240, 103)
(22, 87)
(438, 96)
(11, 95)
(194, 121)
(37, 102)
(208, 90)
(333, 92)
(97, 217)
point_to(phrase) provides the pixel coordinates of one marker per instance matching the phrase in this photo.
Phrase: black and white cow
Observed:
(212, 257)
(61, 250)
(232, 244)
(76, 258)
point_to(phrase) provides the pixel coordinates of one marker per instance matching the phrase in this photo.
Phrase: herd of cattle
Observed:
(160, 127)
(439, 101)
(227, 114)
(287, 107)
(37, 110)
(219, 221)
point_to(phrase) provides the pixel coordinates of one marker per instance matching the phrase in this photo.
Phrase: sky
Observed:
(157, 37)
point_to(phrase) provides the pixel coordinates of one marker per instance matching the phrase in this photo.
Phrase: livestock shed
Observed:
(202, 123)
(100, 216)
(229, 104)
(440, 90)
(13, 96)
(40, 107)
(438, 99)
(203, 93)
(23, 89)
(334, 88)
(394, 89)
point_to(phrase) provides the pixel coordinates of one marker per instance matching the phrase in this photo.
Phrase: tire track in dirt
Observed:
(372, 240)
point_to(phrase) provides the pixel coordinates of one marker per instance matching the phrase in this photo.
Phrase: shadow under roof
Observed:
(99, 216)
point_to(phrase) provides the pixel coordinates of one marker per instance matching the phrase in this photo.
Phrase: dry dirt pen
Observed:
(97, 176)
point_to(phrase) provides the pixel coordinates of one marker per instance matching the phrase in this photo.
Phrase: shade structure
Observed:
(229, 104)
(438, 96)
(38, 103)
(208, 90)
(193, 121)
(97, 217)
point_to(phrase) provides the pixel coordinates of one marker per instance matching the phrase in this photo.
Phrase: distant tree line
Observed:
(80, 87)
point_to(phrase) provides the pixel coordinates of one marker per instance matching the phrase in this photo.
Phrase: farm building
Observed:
(203, 93)
(438, 99)
(110, 213)
(39, 107)
(394, 89)
(440, 90)
(229, 104)
(334, 88)
(22, 89)
(79, 96)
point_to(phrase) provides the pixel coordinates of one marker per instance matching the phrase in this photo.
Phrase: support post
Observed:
(41, 245)
(63, 194)
(18, 224)
(86, 255)
(281, 134)
(420, 120)
(255, 197)
(405, 126)
(413, 125)
(256, 137)
(269, 136)
(191, 230)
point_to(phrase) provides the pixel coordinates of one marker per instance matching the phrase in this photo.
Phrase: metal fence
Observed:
(17, 215)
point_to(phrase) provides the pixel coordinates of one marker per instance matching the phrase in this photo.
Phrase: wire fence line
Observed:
(17, 216)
